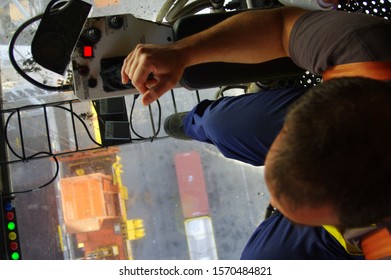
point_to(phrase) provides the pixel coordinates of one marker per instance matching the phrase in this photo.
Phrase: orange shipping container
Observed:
(191, 185)
(87, 201)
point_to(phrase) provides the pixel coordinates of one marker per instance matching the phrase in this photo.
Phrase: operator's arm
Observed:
(249, 37)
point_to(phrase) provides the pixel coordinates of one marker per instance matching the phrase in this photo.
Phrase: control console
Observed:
(102, 46)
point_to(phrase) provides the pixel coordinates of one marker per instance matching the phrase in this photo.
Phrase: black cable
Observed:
(160, 118)
(40, 187)
(15, 64)
(131, 117)
(6, 138)
(26, 159)
(82, 122)
(36, 155)
(23, 158)
(151, 138)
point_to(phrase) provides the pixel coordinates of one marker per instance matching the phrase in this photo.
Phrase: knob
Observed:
(116, 22)
(93, 34)
(92, 82)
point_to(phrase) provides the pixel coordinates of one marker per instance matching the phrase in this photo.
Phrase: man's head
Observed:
(331, 163)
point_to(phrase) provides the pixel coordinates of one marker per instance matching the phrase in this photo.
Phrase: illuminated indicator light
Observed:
(11, 226)
(10, 216)
(12, 235)
(8, 206)
(87, 52)
(15, 256)
(14, 246)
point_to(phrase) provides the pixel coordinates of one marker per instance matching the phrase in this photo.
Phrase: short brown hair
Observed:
(336, 150)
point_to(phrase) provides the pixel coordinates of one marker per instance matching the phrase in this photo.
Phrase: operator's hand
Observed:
(153, 70)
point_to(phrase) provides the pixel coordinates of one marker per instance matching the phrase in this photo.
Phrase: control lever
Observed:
(111, 74)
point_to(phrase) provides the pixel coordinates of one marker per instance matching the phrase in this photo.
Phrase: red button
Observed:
(87, 51)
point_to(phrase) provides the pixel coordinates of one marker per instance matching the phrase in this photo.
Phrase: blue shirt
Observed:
(278, 239)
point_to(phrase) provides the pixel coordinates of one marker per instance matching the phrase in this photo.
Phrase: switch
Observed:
(93, 35)
(92, 82)
(116, 22)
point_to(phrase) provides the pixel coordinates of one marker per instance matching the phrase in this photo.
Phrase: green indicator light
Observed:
(15, 256)
(11, 226)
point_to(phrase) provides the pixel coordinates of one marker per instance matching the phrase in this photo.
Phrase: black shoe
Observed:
(173, 126)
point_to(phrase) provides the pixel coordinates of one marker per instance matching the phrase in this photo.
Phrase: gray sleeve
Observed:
(321, 39)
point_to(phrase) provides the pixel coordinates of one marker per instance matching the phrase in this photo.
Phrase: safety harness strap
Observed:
(377, 245)
(349, 248)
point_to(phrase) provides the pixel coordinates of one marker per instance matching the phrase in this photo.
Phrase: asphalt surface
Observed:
(236, 192)
(236, 197)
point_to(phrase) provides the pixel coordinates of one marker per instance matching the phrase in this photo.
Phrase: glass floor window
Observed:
(87, 172)
(145, 196)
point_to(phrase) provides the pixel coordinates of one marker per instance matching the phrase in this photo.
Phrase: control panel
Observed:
(10, 248)
(102, 46)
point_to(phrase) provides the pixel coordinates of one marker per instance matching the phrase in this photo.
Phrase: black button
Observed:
(116, 22)
(92, 82)
(93, 34)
